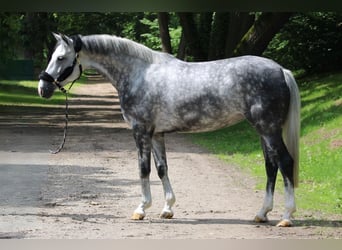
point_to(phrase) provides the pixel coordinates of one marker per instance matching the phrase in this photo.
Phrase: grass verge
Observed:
(24, 93)
(320, 187)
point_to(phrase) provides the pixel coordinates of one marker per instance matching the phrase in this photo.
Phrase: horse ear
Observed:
(67, 40)
(57, 36)
(77, 42)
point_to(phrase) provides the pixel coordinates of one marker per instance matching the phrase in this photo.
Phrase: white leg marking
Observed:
(290, 206)
(266, 207)
(146, 202)
(170, 199)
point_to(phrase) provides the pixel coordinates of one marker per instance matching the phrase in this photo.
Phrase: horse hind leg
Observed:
(159, 154)
(271, 171)
(277, 157)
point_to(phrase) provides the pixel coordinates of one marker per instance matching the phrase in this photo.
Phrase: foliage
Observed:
(9, 29)
(151, 38)
(34, 38)
(34, 28)
(309, 41)
(320, 188)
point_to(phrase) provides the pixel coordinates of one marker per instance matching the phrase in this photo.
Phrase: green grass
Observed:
(321, 144)
(24, 93)
(320, 187)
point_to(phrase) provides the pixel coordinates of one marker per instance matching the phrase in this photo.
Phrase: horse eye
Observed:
(60, 58)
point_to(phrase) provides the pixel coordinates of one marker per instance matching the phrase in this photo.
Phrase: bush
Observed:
(310, 42)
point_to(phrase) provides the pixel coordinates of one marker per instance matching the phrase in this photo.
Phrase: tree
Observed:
(218, 34)
(9, 28)
(310, 41)
(255, 41)
(239, 24)
(163, 20)
(205, 20)
(35, 34)
(210, 36)
(191, 36)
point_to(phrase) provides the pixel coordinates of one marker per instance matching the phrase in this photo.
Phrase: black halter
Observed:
(67, 71)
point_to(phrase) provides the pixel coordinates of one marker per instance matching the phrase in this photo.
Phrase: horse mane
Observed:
(108, 44)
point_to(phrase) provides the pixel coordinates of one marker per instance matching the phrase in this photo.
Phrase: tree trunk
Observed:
(218, 35)
(191, 36)
(239, 24)
(255, 41)
(163, 20)
(181, 48)
(29, 21)
(35, 32)
(204, 30)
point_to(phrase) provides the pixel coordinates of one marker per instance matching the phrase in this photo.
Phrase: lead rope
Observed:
(66, 120)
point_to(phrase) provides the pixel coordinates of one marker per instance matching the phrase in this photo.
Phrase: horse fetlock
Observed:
(139, 213)
(260, 218)
(166, 214)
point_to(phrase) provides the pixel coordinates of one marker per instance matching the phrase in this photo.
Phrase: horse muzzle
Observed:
(46, 89)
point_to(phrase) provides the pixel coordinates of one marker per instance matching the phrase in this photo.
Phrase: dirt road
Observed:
(91, 188)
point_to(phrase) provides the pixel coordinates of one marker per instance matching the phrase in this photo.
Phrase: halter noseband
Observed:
(67, 71)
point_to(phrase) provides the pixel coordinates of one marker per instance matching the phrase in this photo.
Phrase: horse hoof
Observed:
(166, 215)
(284, 223)
(260, 219)
(137, 216)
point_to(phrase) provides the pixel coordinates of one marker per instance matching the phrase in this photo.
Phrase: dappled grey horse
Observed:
(160, 94)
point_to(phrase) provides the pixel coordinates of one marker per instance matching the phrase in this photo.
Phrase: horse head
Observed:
(61, 69)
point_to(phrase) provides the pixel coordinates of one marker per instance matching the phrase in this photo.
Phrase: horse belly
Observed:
(210, 124)
(193, 122)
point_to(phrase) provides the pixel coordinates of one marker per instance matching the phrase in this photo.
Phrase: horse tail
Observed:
(292, 124)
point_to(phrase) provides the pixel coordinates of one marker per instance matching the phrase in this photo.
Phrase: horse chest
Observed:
(136, 107)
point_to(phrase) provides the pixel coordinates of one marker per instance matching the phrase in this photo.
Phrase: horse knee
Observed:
(161, 171)
(145, 170)
(143, 143)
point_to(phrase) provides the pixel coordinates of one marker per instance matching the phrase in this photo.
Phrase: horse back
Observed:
(193, 97)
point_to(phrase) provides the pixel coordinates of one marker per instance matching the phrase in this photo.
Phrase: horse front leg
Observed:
(286, 169)
(159, 154)
(143, 139)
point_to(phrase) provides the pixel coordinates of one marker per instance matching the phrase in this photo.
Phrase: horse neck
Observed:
(115, 61)
(115, 68)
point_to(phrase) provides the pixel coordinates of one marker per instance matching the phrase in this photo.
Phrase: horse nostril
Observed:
(44, 93)
(40, 92)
